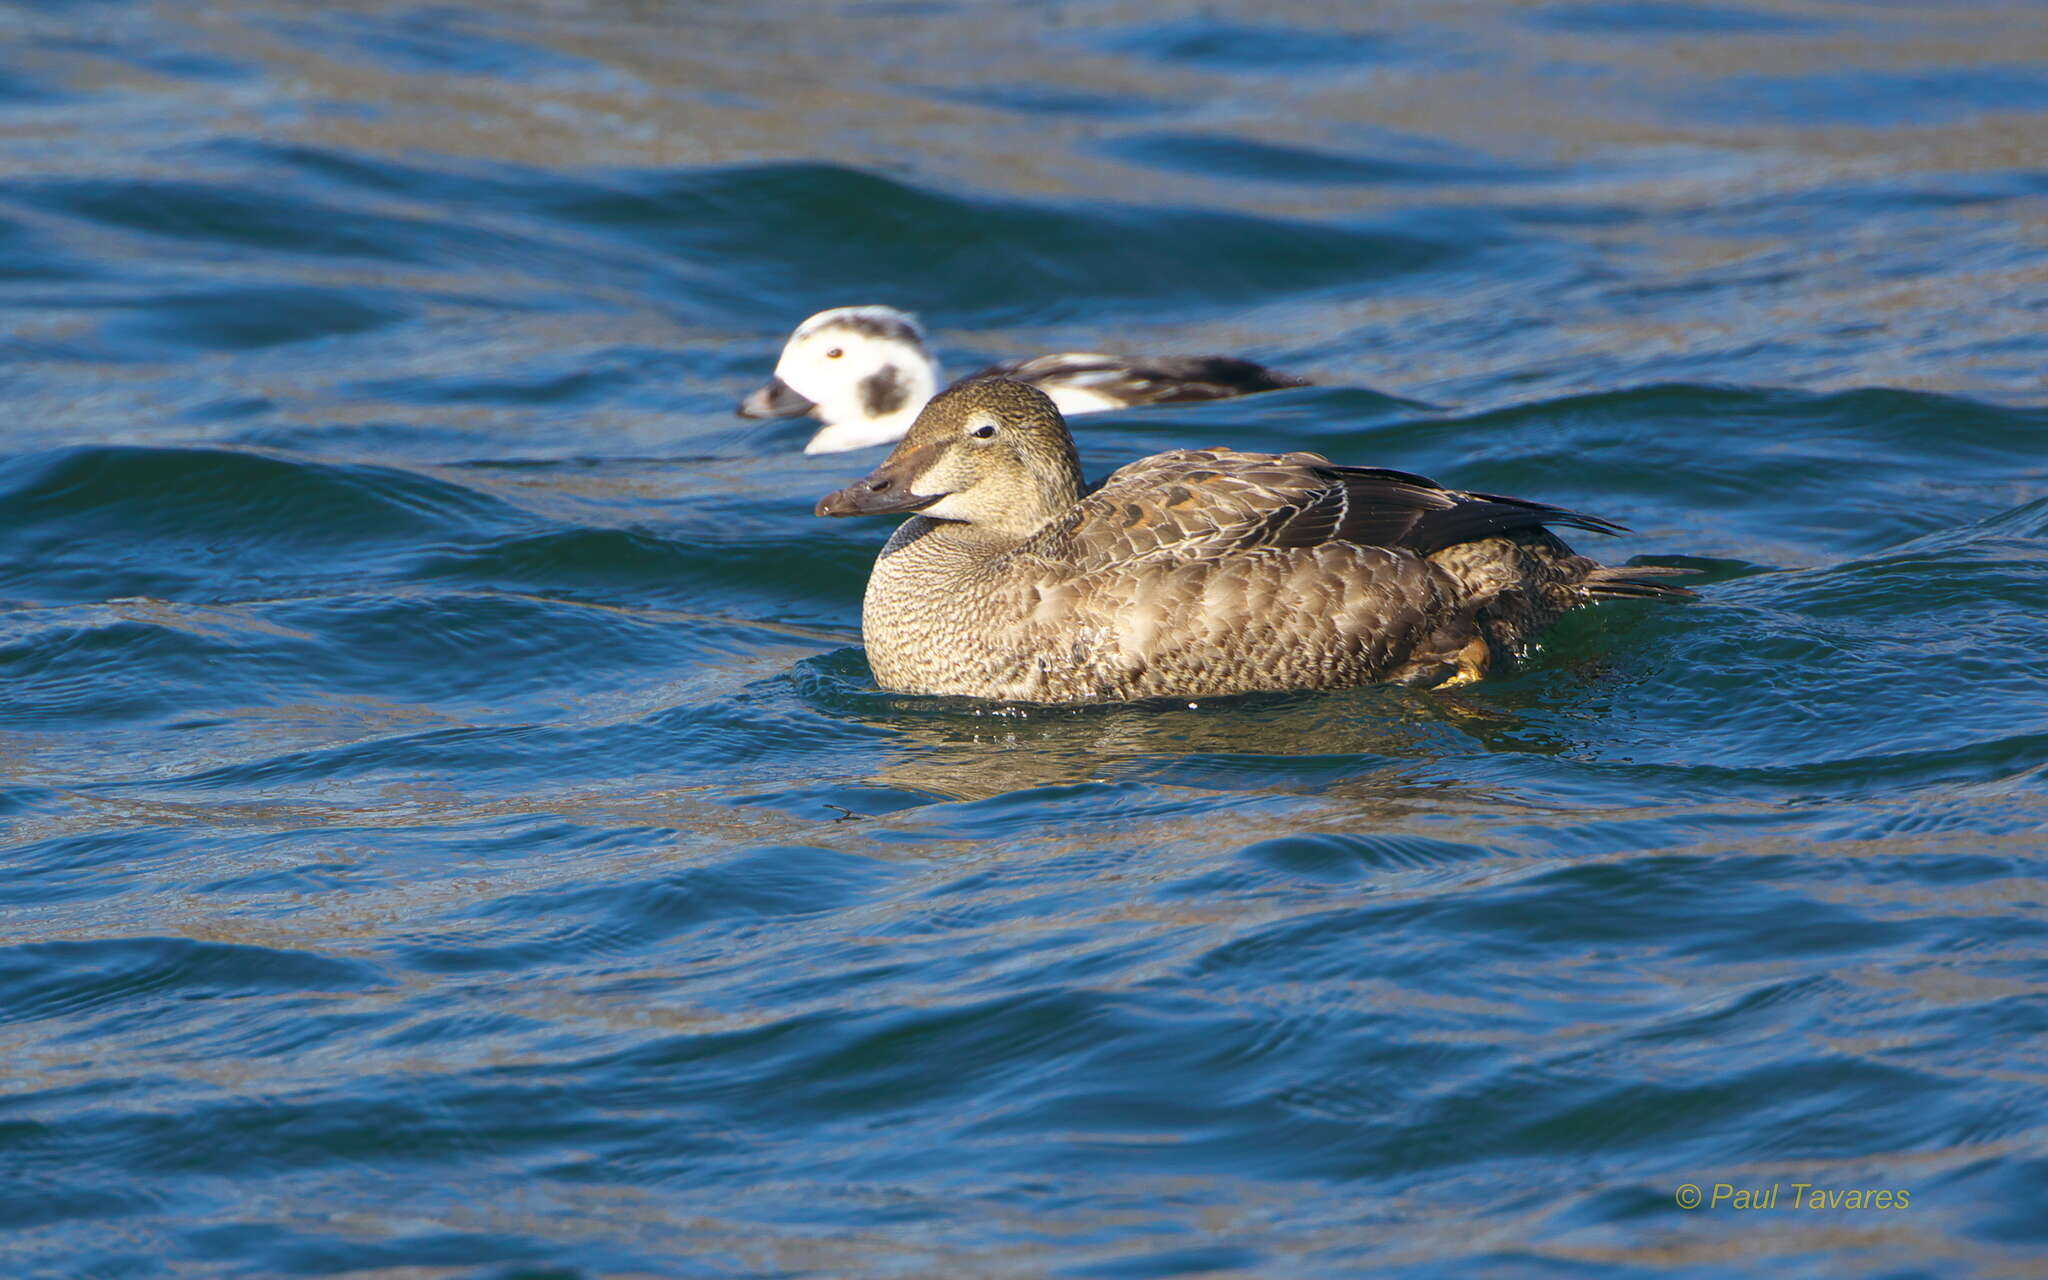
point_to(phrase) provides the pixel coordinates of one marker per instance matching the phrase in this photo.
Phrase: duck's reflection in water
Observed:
(1353, 742)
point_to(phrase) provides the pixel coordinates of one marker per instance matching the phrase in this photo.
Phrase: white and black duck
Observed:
(865, 372)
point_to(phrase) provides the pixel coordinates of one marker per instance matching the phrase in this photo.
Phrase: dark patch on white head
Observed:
(882, 325)
(882, 392)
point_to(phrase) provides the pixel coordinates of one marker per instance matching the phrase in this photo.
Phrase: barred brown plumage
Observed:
(1194, 572)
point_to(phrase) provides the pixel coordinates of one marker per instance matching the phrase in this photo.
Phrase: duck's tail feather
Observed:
(1636, 582)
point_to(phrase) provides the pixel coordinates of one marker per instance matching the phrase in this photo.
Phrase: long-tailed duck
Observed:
(866, 371)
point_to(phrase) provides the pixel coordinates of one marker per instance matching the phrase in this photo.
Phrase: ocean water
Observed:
(448, 827)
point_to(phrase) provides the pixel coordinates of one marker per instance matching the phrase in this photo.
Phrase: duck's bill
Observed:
(776, 400)
(878, 495)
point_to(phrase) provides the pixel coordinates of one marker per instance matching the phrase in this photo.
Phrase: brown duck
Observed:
(1193, 573)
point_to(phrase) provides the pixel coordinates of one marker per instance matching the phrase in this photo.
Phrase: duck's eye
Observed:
(834, 354)
(984, 431)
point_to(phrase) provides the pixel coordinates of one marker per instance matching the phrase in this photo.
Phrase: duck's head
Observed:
(992, 454)
(862, 371)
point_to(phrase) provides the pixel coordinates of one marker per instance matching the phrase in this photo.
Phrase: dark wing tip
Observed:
(1637, 582)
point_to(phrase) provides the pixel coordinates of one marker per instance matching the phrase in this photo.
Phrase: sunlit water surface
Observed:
(450, 828)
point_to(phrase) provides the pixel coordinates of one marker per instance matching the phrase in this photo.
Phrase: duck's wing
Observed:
(1195, 503)
(1154, 380)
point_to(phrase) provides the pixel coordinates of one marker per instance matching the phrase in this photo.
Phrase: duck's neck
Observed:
(857, 432)
(1061, 485)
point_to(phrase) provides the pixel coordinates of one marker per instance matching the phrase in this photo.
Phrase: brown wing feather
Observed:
(1204, 502)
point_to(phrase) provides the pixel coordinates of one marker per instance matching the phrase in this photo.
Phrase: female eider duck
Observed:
(866, 371)
(1191, 573)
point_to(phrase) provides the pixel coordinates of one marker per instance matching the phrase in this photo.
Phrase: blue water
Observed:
(450, 830)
